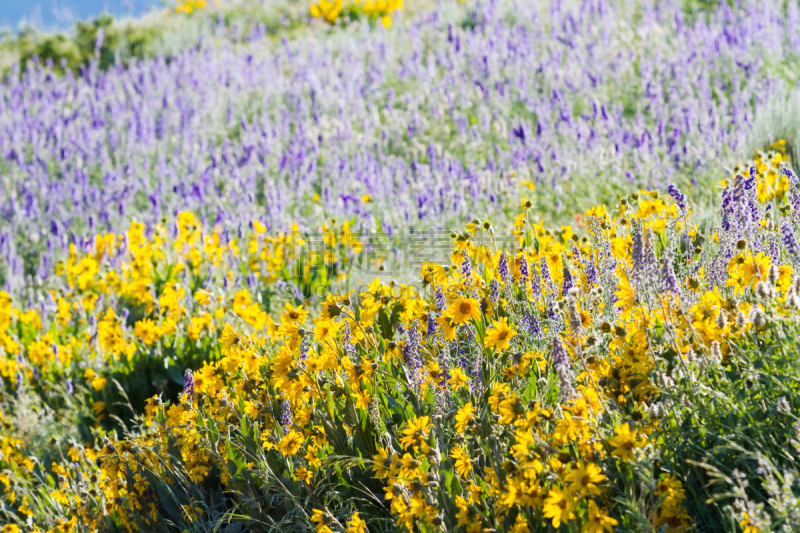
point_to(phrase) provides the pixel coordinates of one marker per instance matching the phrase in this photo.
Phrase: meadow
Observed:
(360, 267)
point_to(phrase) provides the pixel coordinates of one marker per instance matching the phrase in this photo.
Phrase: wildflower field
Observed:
(484, 266)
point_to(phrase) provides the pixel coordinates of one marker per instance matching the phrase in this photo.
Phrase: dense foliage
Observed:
(633, 371)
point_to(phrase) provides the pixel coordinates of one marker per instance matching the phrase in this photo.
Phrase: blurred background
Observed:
(62, 14)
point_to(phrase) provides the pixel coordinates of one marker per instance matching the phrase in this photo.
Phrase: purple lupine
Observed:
(563, 369)
(536, 285)
(546, 277)
(523, 271)
(476, 373)
(286, 416)
(678, 196)
(591, 273)
(727, 209)
(466, 265)
(431, 326)
(576, 253)
(753, 210)
(441, 301)
(553, 317)
(411, 348)
(786, 171)
(502, 267)
(567, 278)
(494, 288)
(637, 252)
(789, 240)
(669, 280)
(523, 267)
(532, 325)
(305, 346)
(347, 340)
(188, 383)
(752, 177)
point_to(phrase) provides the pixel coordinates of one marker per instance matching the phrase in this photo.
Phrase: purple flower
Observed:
(466, 265)
(495, 291)
(789, 240)
(441, 301)
(546, 277)
(347, 342)
(563, 369)
(431, 327)
(286, 416)
(567, 278)
(502, 267)
(188, 383)
(680, 198)
(669, 280)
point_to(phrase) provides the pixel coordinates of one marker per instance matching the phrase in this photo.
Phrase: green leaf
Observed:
(245, 427)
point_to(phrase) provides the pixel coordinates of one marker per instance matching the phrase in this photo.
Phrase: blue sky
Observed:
(48, 14)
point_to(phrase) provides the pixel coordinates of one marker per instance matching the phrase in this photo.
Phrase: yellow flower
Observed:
(356, 524)
(188, 7)
(382, 463)
(599, 521)
(416, 432)
(746, 270)
(463, 463)
(327, 10)
(499, 335)
(624, 442)
(362, 400)
(319, 517)
(468, 516)
(291, 443)
(509, 408)
(325, 330)
(464, 416)
(98, 383)
(458, 379)
(520, 525)
(147, 330)
(558, 506)
(585, 478)
(98, 408)
(464, 309)
(747, 524)
(448, 325)
(294, 314)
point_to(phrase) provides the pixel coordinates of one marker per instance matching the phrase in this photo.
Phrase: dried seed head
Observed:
(741, 319)
(762, 290)
(757, 317)
(716, 353)
(573, 291)
(721, 320)
(773, 275)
